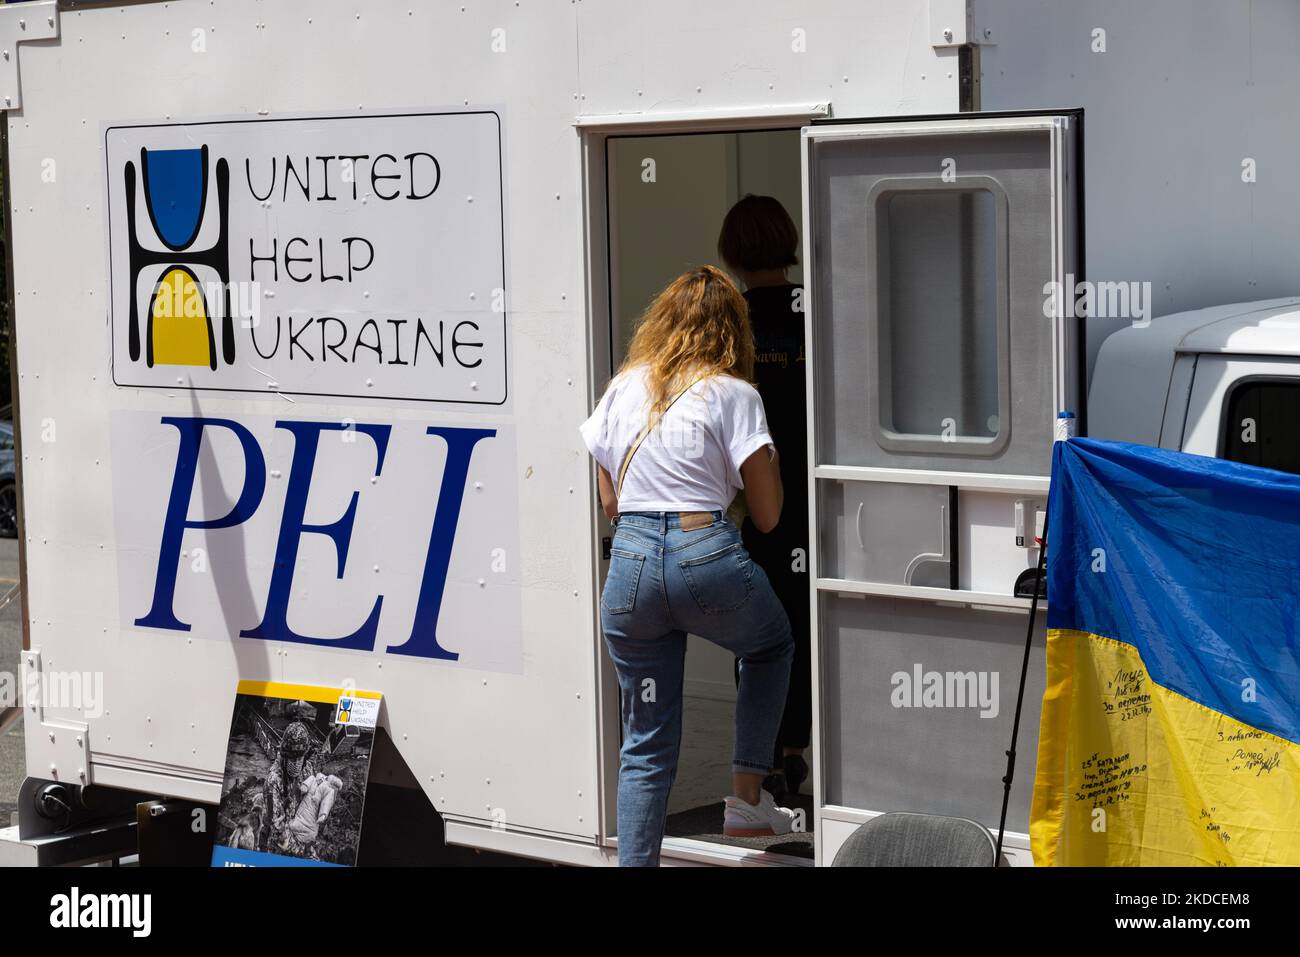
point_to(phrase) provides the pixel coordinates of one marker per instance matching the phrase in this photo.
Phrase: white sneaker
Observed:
(765, 819)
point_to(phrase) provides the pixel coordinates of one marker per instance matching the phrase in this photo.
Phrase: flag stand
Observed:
(1020, 695)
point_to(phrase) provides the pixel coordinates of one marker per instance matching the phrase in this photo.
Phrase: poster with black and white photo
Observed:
(297, 762)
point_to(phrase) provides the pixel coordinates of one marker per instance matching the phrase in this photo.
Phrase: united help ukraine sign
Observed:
(315, 263)
(333, 256)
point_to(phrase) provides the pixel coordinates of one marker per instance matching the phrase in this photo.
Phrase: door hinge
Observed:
(968, 78)
(949, 23)
(62, 746)
(38, 20)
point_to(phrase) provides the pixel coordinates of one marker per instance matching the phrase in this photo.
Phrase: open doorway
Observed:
(666, 197)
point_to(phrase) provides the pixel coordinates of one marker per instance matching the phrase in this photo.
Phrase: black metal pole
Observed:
(1020, 695)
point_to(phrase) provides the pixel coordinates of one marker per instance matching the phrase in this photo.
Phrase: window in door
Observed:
(937, 310)
(932, 253)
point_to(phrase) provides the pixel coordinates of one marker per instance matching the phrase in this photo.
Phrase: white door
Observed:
(937, 366)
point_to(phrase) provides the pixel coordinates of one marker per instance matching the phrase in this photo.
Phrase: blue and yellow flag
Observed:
(1170, 729)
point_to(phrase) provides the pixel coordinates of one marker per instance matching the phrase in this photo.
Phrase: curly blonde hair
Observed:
(697, 327)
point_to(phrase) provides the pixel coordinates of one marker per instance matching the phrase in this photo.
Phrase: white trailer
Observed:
(437, 222)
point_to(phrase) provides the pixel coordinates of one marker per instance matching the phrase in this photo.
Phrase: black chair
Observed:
(903, 839)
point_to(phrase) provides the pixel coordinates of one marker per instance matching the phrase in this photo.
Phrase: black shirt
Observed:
(776, 313)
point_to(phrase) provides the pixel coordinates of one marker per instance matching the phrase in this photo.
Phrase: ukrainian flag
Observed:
(1170, 729)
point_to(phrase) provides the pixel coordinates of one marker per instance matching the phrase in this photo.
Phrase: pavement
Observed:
(12, 760)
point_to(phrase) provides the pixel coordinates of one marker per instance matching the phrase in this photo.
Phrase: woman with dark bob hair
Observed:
(758, 243)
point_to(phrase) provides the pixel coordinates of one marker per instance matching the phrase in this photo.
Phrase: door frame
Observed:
(594, 134)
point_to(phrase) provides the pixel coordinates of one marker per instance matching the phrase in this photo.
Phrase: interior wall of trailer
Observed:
(668, 196)
(1192, 129)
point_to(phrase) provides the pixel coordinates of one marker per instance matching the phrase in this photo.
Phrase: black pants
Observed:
(775, 553)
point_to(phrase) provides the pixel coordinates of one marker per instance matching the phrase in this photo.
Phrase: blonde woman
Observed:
(678, 433)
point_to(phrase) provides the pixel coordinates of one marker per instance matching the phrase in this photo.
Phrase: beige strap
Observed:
(690, 521)
(649, 427)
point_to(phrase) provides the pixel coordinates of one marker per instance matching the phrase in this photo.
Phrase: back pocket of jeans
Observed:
(621, 583)
(721, 581)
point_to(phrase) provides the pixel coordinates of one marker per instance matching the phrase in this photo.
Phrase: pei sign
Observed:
(367, 537)
(347, 256)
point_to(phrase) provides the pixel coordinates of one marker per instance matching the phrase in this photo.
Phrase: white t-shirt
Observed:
(691, 461)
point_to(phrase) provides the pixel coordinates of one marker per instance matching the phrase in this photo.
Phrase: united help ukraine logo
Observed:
(178, 322)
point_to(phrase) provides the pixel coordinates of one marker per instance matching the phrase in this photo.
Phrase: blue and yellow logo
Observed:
(178, 320)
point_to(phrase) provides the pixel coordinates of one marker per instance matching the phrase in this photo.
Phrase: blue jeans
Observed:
(663, 584)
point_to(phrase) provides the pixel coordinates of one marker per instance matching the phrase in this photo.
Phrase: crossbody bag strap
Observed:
(649, 427)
